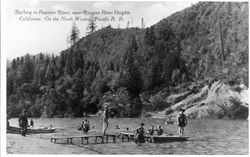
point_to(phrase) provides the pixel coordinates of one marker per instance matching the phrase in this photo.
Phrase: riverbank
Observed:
(215, 100)
(31, 144)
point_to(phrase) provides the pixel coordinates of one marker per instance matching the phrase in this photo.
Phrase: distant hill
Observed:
(204, 43)
(198, 30)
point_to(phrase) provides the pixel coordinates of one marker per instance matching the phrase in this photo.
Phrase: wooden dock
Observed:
(129, 135)
(86, 138)
(125, 136)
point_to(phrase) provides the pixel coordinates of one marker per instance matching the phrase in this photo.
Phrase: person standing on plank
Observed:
(23, 122)
(182, 121)
(31, 123)
(105, 119)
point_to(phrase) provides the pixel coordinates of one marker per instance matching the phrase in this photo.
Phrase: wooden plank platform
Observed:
(86, 138)
(129, 135)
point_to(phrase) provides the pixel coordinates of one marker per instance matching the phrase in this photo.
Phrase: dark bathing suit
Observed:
(181, 120)
(23, 123)
(140, 135)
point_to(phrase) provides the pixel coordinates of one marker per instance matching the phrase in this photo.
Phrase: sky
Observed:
(34, 37)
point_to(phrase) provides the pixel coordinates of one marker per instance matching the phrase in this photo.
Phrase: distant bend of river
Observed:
(207, 137)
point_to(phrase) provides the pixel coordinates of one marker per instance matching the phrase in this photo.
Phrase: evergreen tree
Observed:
(89, 77)
(68, 69)
(50, 75)
(27, 69)
(170, 63)
(13, 64)
(74, 34)
(130, 75)
(150, 36)
(91, 25)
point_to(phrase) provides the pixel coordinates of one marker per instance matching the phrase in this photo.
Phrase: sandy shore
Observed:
(17, 144)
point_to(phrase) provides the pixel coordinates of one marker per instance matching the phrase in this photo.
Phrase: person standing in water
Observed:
(31, 123)
(182, 121)
(105, 119)
(140, 134)
(23, 122)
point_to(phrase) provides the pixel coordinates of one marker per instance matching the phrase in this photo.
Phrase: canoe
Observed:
(157, 138)
(16, 130)
(167, 138)
(169, 122)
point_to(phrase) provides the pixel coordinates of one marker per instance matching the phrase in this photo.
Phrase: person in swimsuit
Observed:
(105, 119)
(159, 130)
(151, 130)
(23, 122)
(182, 121)
(31, 123)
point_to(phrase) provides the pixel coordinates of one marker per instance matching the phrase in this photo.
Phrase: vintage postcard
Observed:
(124, 77)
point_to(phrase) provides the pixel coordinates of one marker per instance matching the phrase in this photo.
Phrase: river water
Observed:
(207, 137)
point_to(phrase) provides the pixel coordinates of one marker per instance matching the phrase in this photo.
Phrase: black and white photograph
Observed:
(124, 77)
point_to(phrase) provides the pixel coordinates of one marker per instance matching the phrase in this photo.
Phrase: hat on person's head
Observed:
(106, 105)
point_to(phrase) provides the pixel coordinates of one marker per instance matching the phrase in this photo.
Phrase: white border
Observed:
(3, 77)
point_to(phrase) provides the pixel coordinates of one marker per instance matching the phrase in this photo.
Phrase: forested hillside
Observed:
(128, 67)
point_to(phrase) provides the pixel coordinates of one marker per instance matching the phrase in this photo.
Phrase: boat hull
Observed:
(16, 130)
(157, 139)
(161, 139)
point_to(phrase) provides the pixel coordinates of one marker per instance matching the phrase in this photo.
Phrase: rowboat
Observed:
(16, 130)
(167, 138)
(155, 138)
(169, 122)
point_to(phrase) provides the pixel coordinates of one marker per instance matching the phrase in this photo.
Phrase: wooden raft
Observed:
(154, 138)
(86, 138)
(127, 135)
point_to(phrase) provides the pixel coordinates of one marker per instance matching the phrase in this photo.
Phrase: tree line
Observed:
(127, 66)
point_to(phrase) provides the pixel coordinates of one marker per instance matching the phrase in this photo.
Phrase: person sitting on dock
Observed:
(151, 130)
(81, 126)
(23, 122)
(85, 126)
(182, 121)
(105, 119)
(139, 135)
(159, 130)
